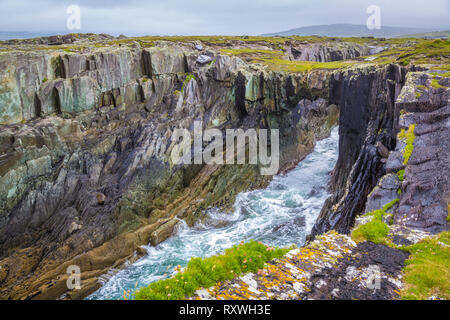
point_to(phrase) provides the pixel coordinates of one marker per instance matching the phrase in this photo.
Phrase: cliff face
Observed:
(381, 108)
(366, 96)
(375, 105)
(86, 137)
(85, 171)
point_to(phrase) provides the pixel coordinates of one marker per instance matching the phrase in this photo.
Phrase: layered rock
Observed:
(366, 96)
(86, 176)
(327, 52)
(420, 181)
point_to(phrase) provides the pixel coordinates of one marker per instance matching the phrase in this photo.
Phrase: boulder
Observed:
(203, 59)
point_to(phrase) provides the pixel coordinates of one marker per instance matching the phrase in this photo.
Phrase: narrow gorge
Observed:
(86, 176)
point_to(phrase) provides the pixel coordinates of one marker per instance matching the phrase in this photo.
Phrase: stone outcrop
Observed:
(333, 266)
(327, 52)
(366, 96)
(422, 183)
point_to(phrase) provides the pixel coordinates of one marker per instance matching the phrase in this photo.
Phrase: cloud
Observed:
(170, 17)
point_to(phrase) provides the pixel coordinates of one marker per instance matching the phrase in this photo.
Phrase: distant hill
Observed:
(350, 30)
(21, 35)
(432, 35)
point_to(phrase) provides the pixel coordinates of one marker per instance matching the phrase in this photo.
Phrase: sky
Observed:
(214, 17)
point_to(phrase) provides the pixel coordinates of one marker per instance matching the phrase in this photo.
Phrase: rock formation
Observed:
(86, 125)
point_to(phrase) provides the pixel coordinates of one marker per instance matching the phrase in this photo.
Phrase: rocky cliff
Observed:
(369, 147)
(86, 129)
(86, 176)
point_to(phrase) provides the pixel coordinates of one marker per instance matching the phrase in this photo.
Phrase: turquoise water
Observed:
(280, 215)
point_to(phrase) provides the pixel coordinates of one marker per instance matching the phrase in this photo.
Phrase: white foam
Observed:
(273, 216)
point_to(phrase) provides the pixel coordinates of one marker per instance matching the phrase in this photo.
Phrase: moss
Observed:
(416, 51)
(420, 89)
(188, 78)
(427, 270)
(159, 203)
(275, 61)
(44, 80)
(435, 84)
(444, 67)
(410, 137)
(205, 272)
(401, 174)
(375, 230)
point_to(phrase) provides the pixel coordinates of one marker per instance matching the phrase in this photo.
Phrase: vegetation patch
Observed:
(401, 175)
(375, 230)
(445, 67)
(188, 78)
(427, 271)
(409, 136)
(205, 272)
(418, 51)
(275, 61)
(435, 84)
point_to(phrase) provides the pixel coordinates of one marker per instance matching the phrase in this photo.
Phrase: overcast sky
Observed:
(233, 17)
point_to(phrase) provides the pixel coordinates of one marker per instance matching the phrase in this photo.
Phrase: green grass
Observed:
(444, 67)
(275, 61)
(277, 64)
(418, 52)
(205, 272)
(409, 138)
(375, 230)
(401, 174)
(435, 84)
(427, 271)
(188, 78)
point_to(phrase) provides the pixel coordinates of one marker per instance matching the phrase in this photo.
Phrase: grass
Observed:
(418, 51)
(205, 272)
(445, 67)
(375, 230)
(409, 136)
(188, 78)
(427, 271)
(435, 84)
(274, 60)
(401, 174)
